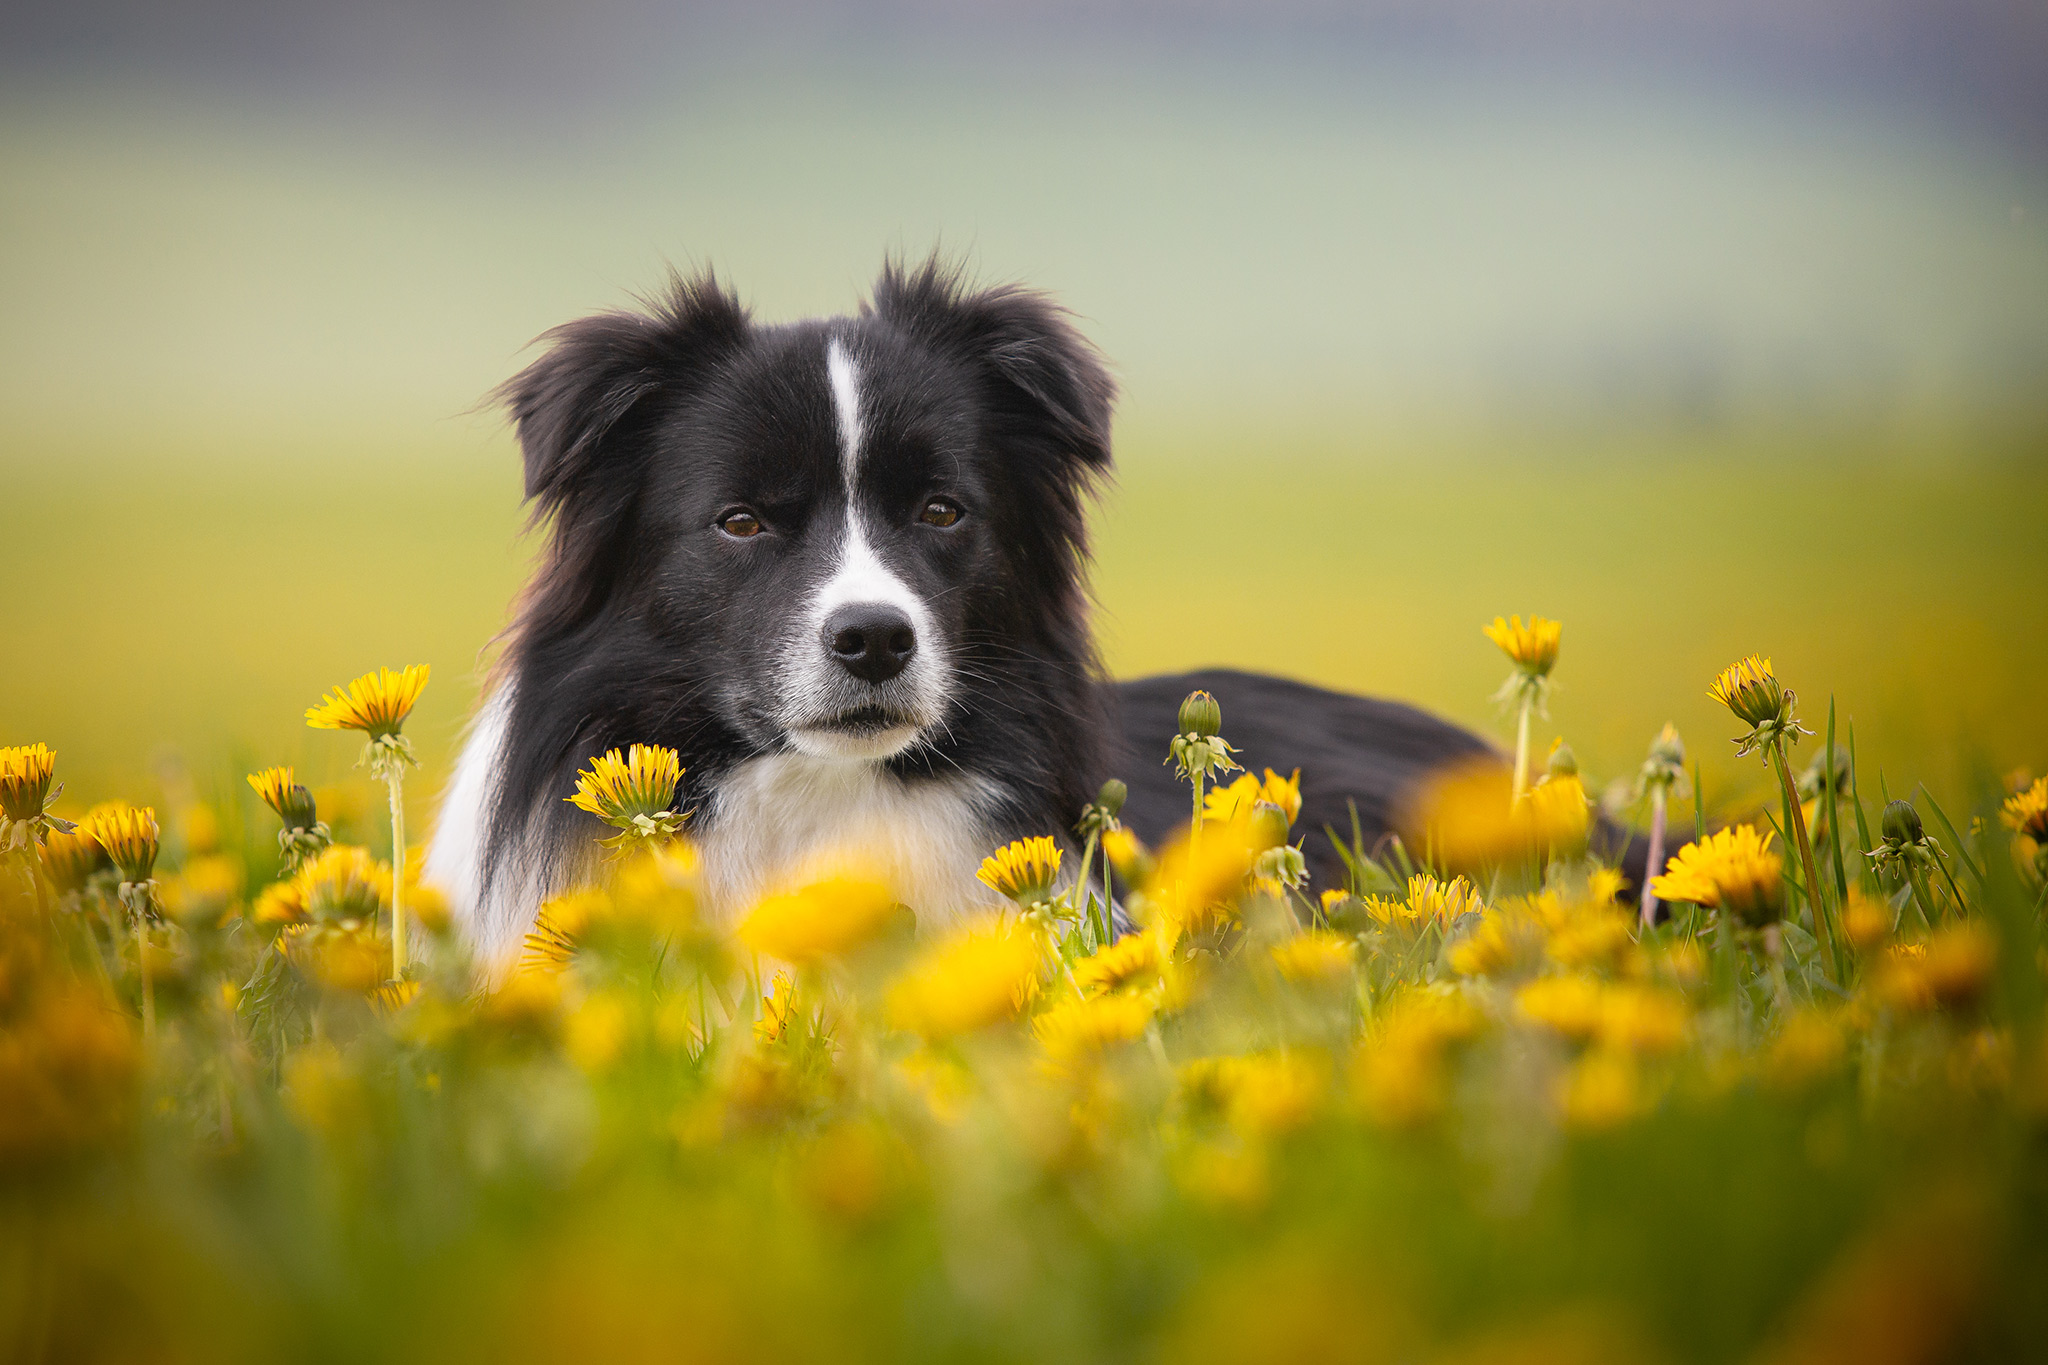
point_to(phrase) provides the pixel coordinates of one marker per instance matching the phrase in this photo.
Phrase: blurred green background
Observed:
(1706, 330)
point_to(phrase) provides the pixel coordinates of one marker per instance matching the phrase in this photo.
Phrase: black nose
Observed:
(870, 640)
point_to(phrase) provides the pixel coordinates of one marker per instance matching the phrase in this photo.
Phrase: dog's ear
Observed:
(569, 405)
(1048, 375)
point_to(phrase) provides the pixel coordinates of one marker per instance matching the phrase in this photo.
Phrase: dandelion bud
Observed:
(1751, 691)
(1563, 762)
(1200, 715)
(1901, 824)
(25, 774)
(128, 835)
(1668, 748)
(1111, 796)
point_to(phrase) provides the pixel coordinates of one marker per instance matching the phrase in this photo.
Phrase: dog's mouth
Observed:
(867, 733)
(865, 721)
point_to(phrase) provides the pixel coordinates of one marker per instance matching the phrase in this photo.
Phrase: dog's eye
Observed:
(740, 525)
(939, 512)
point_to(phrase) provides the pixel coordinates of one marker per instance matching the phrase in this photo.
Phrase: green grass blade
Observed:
(1834, 805)
(1948, 827)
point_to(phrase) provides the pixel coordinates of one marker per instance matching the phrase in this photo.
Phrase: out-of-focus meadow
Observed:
(1699, 356)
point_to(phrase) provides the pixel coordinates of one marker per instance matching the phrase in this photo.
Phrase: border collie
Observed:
(839, 566)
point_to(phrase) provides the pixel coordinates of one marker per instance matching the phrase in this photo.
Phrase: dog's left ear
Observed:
(1049, 378)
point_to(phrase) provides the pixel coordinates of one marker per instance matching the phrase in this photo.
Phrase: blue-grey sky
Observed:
(1666, 210)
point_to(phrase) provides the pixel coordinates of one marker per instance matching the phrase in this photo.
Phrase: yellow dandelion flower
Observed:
(344, 883)
(1467, 813)
(1193, 886)
(1391, 912)
(1568, 1005)
(1132, 958)
(2026, 812)
(204, 890)
(657, 888)
(778, 1010)
(1604, 885)
(1023, 870)
(393, 996)
(828, 918)
(1733, 870)
(1642, 1019)
(1074, 1030)
(964, 983)
(1236, 801)
(558, 929)
(1959, 962)
(376, 703)
(1866, 923)
(1400, 1075)
(280, 790)
(1749, 689)
(280, 903)
(1496, 944)
(1604, 941)
(1127, 855)
(347, 958)
(596, 1032)
(1533, 647)
(1317, 957)
(71, 857)
(632, 792)
(25, 773)
(1556, 813)
(1442, 901)
(128, 834)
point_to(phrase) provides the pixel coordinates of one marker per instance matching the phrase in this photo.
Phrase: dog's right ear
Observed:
(569, 406)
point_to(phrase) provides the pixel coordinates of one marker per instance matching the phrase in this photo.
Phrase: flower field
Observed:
(1484, 1102)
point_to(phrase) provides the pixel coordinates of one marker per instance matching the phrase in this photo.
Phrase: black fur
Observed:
(643, 625)
(646, 623)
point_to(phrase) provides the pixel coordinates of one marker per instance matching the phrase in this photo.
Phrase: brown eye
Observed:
(939, 512)
(740, 525)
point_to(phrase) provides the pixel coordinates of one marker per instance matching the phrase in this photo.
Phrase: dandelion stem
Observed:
(395, 780)
(1823, 928)
(1654, 864)
(1522, 745)
(1195, 822)
(142, 970)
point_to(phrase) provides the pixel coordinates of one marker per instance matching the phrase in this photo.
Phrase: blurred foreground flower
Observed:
(826, 919)
(1469, 818)
(975, 978)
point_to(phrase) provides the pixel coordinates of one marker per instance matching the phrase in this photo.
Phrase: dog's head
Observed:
(822, 533)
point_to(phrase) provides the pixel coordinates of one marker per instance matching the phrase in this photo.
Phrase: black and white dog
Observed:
(839, 567)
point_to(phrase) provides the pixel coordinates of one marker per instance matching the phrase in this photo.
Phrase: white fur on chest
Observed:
(779, 820)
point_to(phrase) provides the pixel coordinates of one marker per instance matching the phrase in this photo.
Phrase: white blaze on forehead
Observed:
(860, 575)
(814, 688)
(839, 368)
